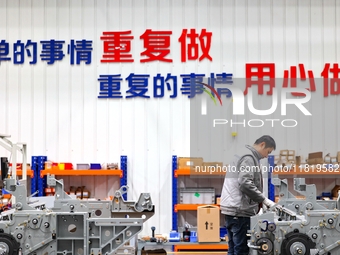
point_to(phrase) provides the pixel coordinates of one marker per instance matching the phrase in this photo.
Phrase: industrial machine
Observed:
(296, 226)
(71, 226)
(68, 226)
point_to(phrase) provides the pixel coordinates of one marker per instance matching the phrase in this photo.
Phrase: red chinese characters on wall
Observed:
(260, 74)
(263, 74)
(190, 43)
(331, 85)
(290, 78)
(117, 47)
(157, 46)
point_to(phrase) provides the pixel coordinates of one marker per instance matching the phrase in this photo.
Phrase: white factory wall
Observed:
(55, 109)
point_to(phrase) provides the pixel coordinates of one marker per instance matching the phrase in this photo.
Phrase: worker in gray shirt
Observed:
(242, 193)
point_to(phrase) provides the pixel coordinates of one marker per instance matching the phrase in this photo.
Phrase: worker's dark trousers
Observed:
(237, 228)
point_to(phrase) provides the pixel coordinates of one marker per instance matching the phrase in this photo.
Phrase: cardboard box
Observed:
(298, 160)
(291, 153)
(208, 223)
(315, 161)
(291, 158)
(284, 152)
(184, 162)
(335, 191)
(315, 158)
(315, 155)
(284, 158)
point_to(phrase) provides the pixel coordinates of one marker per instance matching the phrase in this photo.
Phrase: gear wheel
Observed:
(297, 244)
(266, 246)
(8, 245)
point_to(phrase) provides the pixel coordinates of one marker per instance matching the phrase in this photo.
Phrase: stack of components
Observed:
(286, 158)
(49, 191)
(80, 192)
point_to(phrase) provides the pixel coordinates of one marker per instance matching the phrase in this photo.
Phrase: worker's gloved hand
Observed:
(267, 202)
